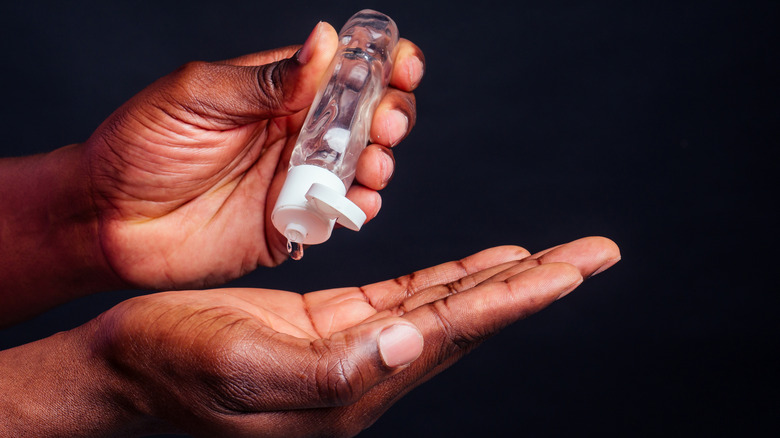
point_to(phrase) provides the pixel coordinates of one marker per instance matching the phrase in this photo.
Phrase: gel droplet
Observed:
(295, 250)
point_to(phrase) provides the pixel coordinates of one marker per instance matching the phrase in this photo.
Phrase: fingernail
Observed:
(604, 267)
(387, 166)
(305, 53)
(400, 344)
(396, 124)
(568, 290)
(415, 70)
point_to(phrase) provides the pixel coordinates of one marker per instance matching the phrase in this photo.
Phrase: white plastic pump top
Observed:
(312, 200)
(335, 132)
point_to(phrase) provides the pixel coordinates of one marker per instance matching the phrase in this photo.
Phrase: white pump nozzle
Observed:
(312, 200)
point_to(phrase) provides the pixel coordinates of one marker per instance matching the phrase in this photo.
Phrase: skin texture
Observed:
(195, 160)
(173, 190)
(268, 363)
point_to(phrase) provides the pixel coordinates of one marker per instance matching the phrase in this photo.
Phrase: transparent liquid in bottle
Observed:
(334, 134)
(336, 129)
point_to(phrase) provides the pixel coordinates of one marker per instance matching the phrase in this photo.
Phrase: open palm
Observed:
(248, 362)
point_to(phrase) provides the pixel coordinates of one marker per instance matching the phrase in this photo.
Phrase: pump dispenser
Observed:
(335, 132)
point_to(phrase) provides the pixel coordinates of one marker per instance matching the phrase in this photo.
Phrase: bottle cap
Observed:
(312, 200)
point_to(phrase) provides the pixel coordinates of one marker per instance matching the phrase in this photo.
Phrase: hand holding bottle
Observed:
(174, 189)
(186, 172)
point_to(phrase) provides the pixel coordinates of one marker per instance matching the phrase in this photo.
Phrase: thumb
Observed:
(226, 95)
(289, 85)
(351, 362)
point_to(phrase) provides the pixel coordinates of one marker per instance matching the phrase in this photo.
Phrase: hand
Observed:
(186, 173)
(244, 362)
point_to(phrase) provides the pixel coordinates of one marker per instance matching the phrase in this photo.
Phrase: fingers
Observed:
(590, 256)
(375, 167)
(281, 82)
(498, 273)
(391, 293)
(461, 321)
(394, 118)
(368, 200)
(409, 66)
(364, 372)
(453, 326)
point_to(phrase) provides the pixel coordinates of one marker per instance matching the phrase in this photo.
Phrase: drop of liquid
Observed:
(295, 250)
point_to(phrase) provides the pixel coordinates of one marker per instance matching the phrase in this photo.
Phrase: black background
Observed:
(652, 123)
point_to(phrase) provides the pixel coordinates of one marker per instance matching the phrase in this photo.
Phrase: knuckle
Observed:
(404, 103)
(270, 83)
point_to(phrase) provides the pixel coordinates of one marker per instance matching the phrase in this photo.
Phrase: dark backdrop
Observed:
(539, 122)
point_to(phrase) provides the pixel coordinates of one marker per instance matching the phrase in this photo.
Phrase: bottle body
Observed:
(335, 132)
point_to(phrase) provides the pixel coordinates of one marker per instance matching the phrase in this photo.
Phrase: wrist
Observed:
(51, 251)
(64, 386)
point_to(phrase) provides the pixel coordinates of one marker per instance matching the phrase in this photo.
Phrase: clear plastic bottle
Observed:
(335, 132)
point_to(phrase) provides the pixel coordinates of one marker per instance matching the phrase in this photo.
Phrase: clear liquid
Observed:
(295, 250)
(336, 129)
